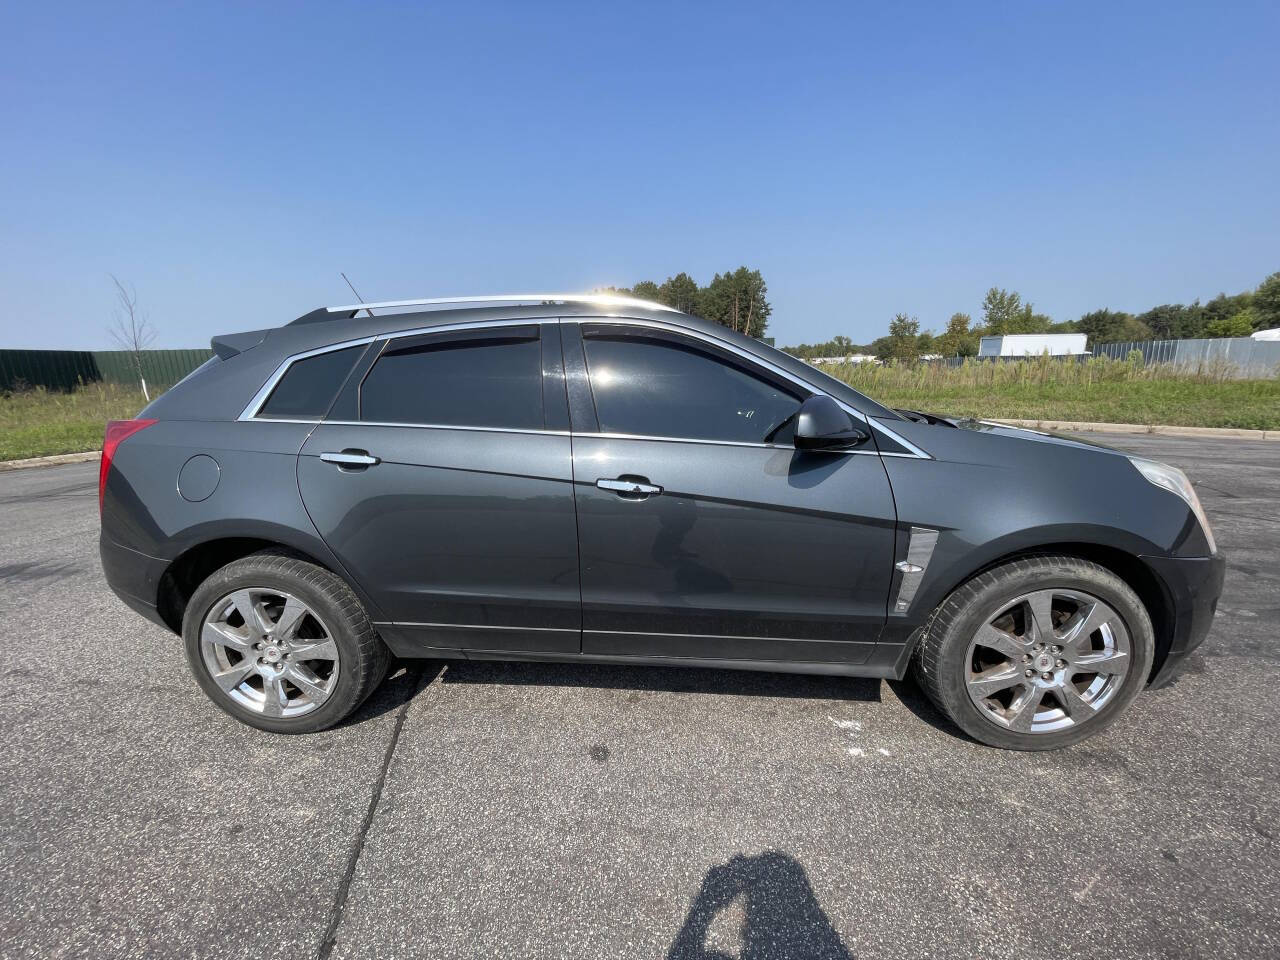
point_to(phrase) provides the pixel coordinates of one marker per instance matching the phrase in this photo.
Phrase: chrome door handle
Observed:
(350, 458)
(634, 488)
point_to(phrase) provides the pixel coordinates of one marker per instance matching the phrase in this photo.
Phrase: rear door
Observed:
(703, 532)
(442, 481)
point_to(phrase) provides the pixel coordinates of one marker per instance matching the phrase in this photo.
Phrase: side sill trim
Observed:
(620, 633)
(475, 626)
(883, 671)
(709, 636)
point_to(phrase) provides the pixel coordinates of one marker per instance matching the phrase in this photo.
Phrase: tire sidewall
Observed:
(244, 574)
(1003, 590)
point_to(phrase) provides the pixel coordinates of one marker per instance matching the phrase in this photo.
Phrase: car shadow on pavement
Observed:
(664, 679)
(404, 680)
(407, 677)
(757, 908)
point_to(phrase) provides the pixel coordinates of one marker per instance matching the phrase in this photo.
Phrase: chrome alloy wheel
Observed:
(1047, 661)
(269, 652)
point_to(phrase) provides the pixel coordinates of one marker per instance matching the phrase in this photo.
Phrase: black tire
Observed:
(363, 656)
(941, 669)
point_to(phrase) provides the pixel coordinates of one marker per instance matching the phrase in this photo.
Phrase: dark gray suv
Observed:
(600, 479)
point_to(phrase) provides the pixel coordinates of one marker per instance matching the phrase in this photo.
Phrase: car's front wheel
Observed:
(1039, 653)
(282, 644)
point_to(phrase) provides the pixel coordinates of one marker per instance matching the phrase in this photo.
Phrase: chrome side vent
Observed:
(919, 553)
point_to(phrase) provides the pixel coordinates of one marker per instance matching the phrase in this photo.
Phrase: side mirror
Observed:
(822, 424)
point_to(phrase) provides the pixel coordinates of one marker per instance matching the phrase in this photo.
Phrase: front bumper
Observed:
(1194, 586)
(133, 577)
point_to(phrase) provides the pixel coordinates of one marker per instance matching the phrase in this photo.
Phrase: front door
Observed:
(703, 533)
(445, 491)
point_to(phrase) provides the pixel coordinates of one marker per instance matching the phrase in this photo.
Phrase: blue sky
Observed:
(230, 160)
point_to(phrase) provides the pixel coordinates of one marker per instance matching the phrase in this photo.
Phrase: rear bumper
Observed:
(133, 577)
(1194, 586)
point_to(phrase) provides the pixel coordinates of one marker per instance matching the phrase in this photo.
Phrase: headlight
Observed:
(1175, 481)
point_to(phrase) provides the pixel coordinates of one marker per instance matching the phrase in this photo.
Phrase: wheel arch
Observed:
(194, 565)
(1150, 588)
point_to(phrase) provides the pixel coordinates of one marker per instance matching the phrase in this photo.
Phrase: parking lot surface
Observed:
(527, 810)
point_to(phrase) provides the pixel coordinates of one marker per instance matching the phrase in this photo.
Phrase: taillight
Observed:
(117, 432)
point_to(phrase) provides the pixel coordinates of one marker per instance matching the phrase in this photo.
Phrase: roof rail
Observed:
(602, 298)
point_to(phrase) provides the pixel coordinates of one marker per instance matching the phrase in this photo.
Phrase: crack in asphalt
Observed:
(330, 939)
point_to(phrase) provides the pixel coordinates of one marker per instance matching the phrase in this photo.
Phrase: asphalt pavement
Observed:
(527, 810)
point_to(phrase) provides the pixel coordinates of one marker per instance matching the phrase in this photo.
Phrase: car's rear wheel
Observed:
(282, 644)
(1038, 653)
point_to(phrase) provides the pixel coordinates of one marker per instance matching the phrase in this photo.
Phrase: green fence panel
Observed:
(67, 369)
(115, 366)
(161, 368)
(51, 369)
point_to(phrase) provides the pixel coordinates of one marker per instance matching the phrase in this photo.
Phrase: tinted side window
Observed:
(486, 381)
(309, 385)
(662, 388)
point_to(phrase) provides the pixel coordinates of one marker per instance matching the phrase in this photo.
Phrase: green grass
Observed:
(38, 422)
(1099, 390)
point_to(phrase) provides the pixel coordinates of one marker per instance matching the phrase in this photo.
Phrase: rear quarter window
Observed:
(308, 387)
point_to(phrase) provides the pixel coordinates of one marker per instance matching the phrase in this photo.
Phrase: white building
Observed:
(1034, 344)
(849, 358)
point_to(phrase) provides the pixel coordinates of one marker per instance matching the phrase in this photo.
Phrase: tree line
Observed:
(735, 299)
(1005, 312)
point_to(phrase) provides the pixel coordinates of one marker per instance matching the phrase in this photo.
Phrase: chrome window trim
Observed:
(715, 443)
(722, 443)
(254, 406)
(570, 433)
(445, 426)
(573, 434)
